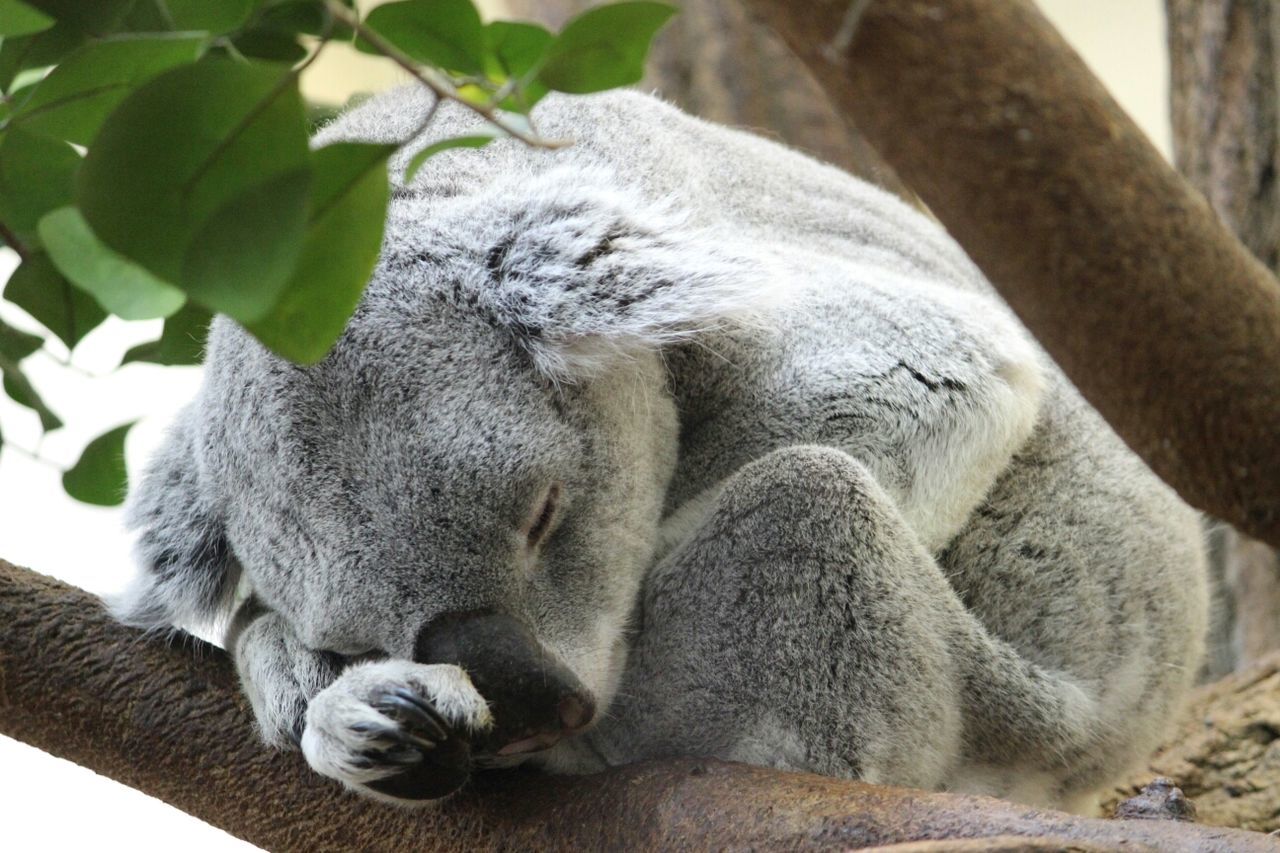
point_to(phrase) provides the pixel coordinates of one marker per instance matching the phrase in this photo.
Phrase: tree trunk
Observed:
(1155, 311)
(1225, 97)
(169, 719)
(714, 61)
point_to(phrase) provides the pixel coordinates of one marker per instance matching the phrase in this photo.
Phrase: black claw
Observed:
(412, 739)
(409, 710)
(397, 757)
(430, 761)
(439, 774)
(375, 729)
(393, 735)
(425, 707)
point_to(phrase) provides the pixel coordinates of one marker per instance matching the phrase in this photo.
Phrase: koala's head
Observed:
(487, 445)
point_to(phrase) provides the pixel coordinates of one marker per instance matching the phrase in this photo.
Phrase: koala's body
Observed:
(674, 441)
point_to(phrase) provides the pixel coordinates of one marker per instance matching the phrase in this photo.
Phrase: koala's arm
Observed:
(279, 674)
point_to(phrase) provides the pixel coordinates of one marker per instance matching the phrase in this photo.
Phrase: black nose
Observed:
(534, 697)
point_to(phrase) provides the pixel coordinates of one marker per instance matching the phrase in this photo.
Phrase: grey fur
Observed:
(825, 504)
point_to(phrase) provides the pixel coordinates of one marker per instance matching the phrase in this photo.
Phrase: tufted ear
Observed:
(187, 574)
(584, 274)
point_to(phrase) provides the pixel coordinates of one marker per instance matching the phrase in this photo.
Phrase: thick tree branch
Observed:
(169, 720)
(1164, 321)
(1223, 755)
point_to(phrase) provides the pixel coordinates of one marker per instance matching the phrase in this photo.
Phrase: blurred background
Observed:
(50, 804)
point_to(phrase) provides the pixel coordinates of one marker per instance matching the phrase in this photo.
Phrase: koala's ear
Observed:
(187, 573)
(584, 274)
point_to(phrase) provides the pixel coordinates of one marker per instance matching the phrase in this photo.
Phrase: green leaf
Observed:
(318, 115)
(15, 344)
(212, 16)
(444, 33)
(72, 102)
(91, 17)
(145, 16)
(342, 245)
(603, 48)
(36, 175)
(99, 476)
(23, 53)
(120, 286)
(19, 19)
(21, 391)
(475, 141)
(270, 45)
(296, 17)
(202, 176)
(519, 46)
(274, 33)
(246, 251)
(181, 342)
(519, 49)
(39, 289)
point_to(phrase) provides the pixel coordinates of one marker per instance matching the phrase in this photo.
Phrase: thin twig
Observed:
(839, 46)
(443, 88)
(33, 456)
(162, 9)
(69, 364)
(11, 240)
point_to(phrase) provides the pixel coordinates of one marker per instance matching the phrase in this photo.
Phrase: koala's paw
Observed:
(395, 729)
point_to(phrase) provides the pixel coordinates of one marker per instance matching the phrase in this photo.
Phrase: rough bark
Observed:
(1222, 62)
(1225, 96)
(168, 719)
(1225, 755)
(1154, 310)
(716, 62)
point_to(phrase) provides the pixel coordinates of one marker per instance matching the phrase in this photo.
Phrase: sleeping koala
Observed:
(671, 442)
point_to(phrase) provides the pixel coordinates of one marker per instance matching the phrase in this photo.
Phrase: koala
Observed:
(671, 442)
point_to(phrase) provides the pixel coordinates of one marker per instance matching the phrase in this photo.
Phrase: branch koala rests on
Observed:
(671, 442)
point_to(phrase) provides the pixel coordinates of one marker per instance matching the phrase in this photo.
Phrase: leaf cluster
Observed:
(155, 163)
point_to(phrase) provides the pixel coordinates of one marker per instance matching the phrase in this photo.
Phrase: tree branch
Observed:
(440, 86)
(1222, 754)
(1121, 270)
(169, 720)
(716, 62)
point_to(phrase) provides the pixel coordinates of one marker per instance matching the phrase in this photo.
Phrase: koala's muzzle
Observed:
(534, 698)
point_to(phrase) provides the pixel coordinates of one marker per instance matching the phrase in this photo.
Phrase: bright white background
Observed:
(50, 804)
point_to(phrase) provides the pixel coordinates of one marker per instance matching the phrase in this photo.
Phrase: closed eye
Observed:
(544, 518)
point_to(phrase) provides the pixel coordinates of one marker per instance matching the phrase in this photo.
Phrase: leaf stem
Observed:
(33, 456)
(428, 77)
(68, 364)
(11, 240)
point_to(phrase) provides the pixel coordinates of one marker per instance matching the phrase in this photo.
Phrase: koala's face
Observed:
(425, 471)
(477, 471)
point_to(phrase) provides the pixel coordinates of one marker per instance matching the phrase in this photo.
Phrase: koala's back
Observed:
(872, 272)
